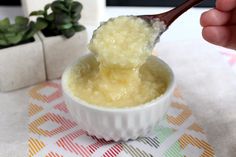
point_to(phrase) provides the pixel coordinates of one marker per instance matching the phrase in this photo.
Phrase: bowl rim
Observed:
(83, 103)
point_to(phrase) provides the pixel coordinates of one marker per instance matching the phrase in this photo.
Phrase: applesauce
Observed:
(117, 76)
(125, 41)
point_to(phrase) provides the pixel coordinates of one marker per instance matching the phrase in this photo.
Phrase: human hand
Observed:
(219, 24)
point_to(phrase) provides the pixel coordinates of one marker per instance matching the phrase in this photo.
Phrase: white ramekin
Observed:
(119, 123)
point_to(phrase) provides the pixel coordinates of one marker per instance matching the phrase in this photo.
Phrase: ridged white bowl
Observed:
(119, 123)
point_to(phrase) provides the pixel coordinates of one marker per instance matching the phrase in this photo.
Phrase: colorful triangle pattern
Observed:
(53, 133)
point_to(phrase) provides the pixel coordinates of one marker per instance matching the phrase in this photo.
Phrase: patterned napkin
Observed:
(53, 132)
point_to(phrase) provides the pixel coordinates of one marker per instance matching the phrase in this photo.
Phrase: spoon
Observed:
(167, 18)
(170, 16)
(159, 22)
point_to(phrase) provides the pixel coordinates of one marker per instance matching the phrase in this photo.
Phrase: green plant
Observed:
(62, 19)
(19, 32)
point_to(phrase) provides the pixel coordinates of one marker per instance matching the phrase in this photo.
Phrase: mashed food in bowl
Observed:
(119, 76)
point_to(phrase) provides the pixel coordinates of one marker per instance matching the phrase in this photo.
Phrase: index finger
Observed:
(226, 5)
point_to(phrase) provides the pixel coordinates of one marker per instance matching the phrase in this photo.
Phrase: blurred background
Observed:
(206, 3)
(181, 29)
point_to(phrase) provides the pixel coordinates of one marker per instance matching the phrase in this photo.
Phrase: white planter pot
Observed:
(21, 66)
(59, 52)
(92, 12)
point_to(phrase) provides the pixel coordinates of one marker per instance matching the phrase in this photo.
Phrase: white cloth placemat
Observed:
(208, 84)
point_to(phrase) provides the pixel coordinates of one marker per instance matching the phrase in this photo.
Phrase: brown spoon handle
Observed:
(169, 16)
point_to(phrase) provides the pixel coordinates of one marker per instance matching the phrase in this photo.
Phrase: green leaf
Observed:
(76, 17)
(46, 7)
(79, 28)
(57, 6)
(37, 13)
(13, 38)
(62, 18)
(3, 42)
(76, 7)
(12, 29)
(23, 32)
(9, 35)
(65, 26)
(31, 31)
(68, 33)
(40, 24)
(21, 20)
(16, 28)
(4, 23)
(50, 17)
(67, 3)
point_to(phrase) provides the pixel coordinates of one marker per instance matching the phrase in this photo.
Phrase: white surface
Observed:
(59, 52)
(208, 85)
(13, 121)
(22, 66)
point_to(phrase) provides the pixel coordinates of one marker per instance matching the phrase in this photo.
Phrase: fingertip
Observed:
(226, 5)
(206, 34)
(203, 20)
(216, 35)
(214, 17)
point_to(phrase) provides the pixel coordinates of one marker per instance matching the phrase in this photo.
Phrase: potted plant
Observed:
(92, 13)
(64, 39)
(21, 54)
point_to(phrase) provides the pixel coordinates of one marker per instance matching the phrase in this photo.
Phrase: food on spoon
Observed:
(125, 41)
(119, 76)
